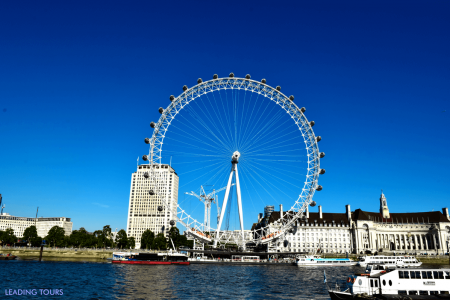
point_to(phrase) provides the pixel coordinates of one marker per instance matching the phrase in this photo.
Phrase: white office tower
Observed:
(143, 210)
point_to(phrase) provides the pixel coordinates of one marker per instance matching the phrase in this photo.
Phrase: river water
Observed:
(99, 280)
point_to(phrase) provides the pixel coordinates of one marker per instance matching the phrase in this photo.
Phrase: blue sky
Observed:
(80, 82)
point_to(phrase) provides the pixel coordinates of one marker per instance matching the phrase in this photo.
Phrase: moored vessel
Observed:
(168, 258)
(389, 260)
(316, 260)
(7, 256)
(395, 283)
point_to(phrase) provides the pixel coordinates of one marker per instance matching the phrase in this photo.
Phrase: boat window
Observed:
(423, 292)
(384, 282)
(402, 292)
(403, 274)
(425, 275)
(376, 283)
(438, 275)
(444, 292)
(417, 274)
(371, 282)
(447, 275)
(413, 292)
(429, 275)
(400, 274)
(434, 292)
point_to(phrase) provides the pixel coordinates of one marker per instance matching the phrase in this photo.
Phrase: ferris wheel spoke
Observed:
(208, 129)
(278, 145)
(270, 174)
(277, 153)
(194, 154)
(212, 170)
(195, 129)
(257, 122)
(249, 119)
(196, 149)
(262, 133)
(244, 184)
(254, 189)
(281, 171)
(218, 117)
(228, 125)
(273, 187)
(219, 132)
(195, 137)
(274, 140)
(242, 117)
(258, 181)
(196, 146)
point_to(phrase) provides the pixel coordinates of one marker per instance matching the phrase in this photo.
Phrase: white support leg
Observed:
(206, 216)
(209, 217)
(224, 206)
(241, 216)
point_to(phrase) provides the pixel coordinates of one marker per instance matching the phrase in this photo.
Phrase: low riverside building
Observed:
(361, 231)
(43, 225)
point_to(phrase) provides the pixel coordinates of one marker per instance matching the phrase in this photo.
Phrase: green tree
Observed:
(160, 242)
(30, 233)
(147, 239)
(121, 239)
(55, 236)
(131, 242)
(174, 234)
(8, 237)
(31, 236)
(185, 242)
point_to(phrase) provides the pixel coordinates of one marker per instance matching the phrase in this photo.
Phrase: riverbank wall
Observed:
(60, 253)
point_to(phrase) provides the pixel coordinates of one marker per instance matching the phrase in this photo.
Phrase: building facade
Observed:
(421, 232)
(317, 232)
(43, 225)
(143, 212)
(361, 232)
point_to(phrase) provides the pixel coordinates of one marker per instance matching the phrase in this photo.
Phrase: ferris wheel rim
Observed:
(273, 94)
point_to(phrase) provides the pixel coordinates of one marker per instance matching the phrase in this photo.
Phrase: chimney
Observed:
(307, 212)
(445, 212)
(349, 212)
(320, 212)
(281, 211)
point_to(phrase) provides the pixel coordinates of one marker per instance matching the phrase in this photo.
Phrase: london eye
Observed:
(246, 138)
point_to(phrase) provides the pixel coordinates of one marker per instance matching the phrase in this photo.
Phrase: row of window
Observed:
(423, 275)
(422, 292)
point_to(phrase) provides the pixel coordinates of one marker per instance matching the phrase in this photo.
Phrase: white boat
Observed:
(392, 261)
(398, 283)
(316, 260)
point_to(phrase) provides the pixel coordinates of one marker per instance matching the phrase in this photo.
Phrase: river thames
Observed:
(101, 280)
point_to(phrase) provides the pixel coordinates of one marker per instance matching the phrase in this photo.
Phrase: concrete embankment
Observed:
(61, 253)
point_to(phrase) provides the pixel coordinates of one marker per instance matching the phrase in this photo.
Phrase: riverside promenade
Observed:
(86, 253)
(60, 252)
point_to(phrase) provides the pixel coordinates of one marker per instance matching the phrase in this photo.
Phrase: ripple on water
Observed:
(89, 280)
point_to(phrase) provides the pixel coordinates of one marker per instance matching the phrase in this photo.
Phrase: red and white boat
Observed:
(145, 258)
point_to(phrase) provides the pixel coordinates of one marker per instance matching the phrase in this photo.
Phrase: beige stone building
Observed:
(361, 231)
(143, 210)
(43, 225)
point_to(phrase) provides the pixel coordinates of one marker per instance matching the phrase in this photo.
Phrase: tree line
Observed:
(81, 238)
